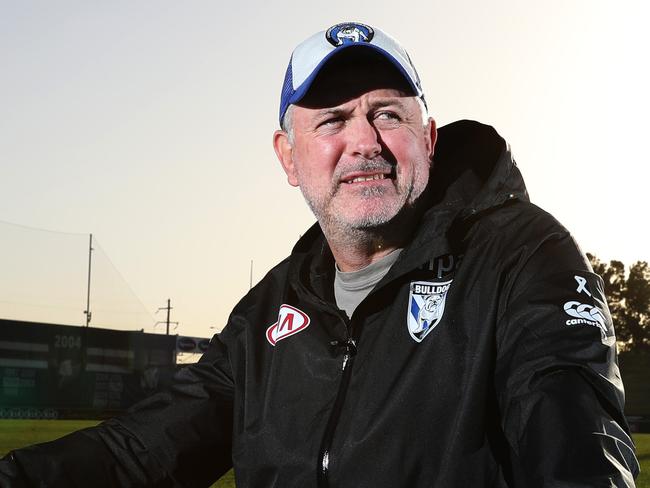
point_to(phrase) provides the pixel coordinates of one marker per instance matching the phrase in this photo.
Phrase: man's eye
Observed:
(333, 122)
(387, 116)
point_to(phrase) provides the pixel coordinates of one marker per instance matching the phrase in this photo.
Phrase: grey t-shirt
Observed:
(351, 288)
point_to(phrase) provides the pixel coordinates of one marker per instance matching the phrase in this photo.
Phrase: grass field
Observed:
(18, 433)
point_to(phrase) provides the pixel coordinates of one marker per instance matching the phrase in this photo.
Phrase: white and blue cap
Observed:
(312, 54)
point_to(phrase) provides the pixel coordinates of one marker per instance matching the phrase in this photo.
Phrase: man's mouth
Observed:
(365, 176)
(360, 179)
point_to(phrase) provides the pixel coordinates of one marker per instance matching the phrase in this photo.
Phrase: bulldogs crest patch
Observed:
(348, 32)
(425, 307)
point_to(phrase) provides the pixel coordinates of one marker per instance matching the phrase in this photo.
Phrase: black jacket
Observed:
(506, 375)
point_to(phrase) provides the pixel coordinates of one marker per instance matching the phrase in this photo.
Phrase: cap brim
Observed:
(303, 89)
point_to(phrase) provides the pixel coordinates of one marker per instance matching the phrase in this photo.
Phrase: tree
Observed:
(637, 303)
(628, 299)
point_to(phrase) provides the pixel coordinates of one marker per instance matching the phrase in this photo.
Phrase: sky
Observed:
(149, 125)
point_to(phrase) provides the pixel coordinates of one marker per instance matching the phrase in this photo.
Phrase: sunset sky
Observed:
(149, 124)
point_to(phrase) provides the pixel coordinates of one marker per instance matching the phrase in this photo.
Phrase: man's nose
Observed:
(364, 139)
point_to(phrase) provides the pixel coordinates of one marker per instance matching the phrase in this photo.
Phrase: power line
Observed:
(38, 229)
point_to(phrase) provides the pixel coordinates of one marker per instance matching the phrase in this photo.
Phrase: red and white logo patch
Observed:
(290, 322)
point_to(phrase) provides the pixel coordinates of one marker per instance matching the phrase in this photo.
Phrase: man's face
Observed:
(360, 150)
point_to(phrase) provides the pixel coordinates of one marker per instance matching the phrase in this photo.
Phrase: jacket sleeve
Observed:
(557, 379)
(179, 437)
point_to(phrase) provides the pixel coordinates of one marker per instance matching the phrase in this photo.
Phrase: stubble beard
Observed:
(376, 224)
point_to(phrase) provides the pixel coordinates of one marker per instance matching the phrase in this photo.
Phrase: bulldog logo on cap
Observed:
(348, 32)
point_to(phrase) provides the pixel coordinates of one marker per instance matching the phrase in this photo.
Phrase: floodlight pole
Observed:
(90, 262)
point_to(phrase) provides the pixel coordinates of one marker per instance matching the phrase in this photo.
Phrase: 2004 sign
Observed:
(67, 342)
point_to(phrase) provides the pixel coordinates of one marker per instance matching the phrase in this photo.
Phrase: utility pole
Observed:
(168, 308)
(90, 262)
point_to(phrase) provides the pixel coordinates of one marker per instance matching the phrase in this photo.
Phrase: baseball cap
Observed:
(312, 55)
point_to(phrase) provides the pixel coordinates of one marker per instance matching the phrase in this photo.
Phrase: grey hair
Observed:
(287, 121)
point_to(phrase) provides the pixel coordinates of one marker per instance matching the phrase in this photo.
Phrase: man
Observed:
(434, 329)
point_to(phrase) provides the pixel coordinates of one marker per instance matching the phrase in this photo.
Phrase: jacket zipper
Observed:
(324, 456)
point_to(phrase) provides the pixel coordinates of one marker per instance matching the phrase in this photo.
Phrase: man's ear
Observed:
(432, 137)
(284, 152)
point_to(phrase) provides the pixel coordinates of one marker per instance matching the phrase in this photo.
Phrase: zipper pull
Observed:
(349, 346)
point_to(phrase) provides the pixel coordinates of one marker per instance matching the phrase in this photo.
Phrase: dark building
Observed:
(60, 371)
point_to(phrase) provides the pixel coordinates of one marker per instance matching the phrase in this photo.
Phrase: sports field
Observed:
(17, 433)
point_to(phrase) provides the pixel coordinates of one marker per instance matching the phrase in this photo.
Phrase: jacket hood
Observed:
(473, 169)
